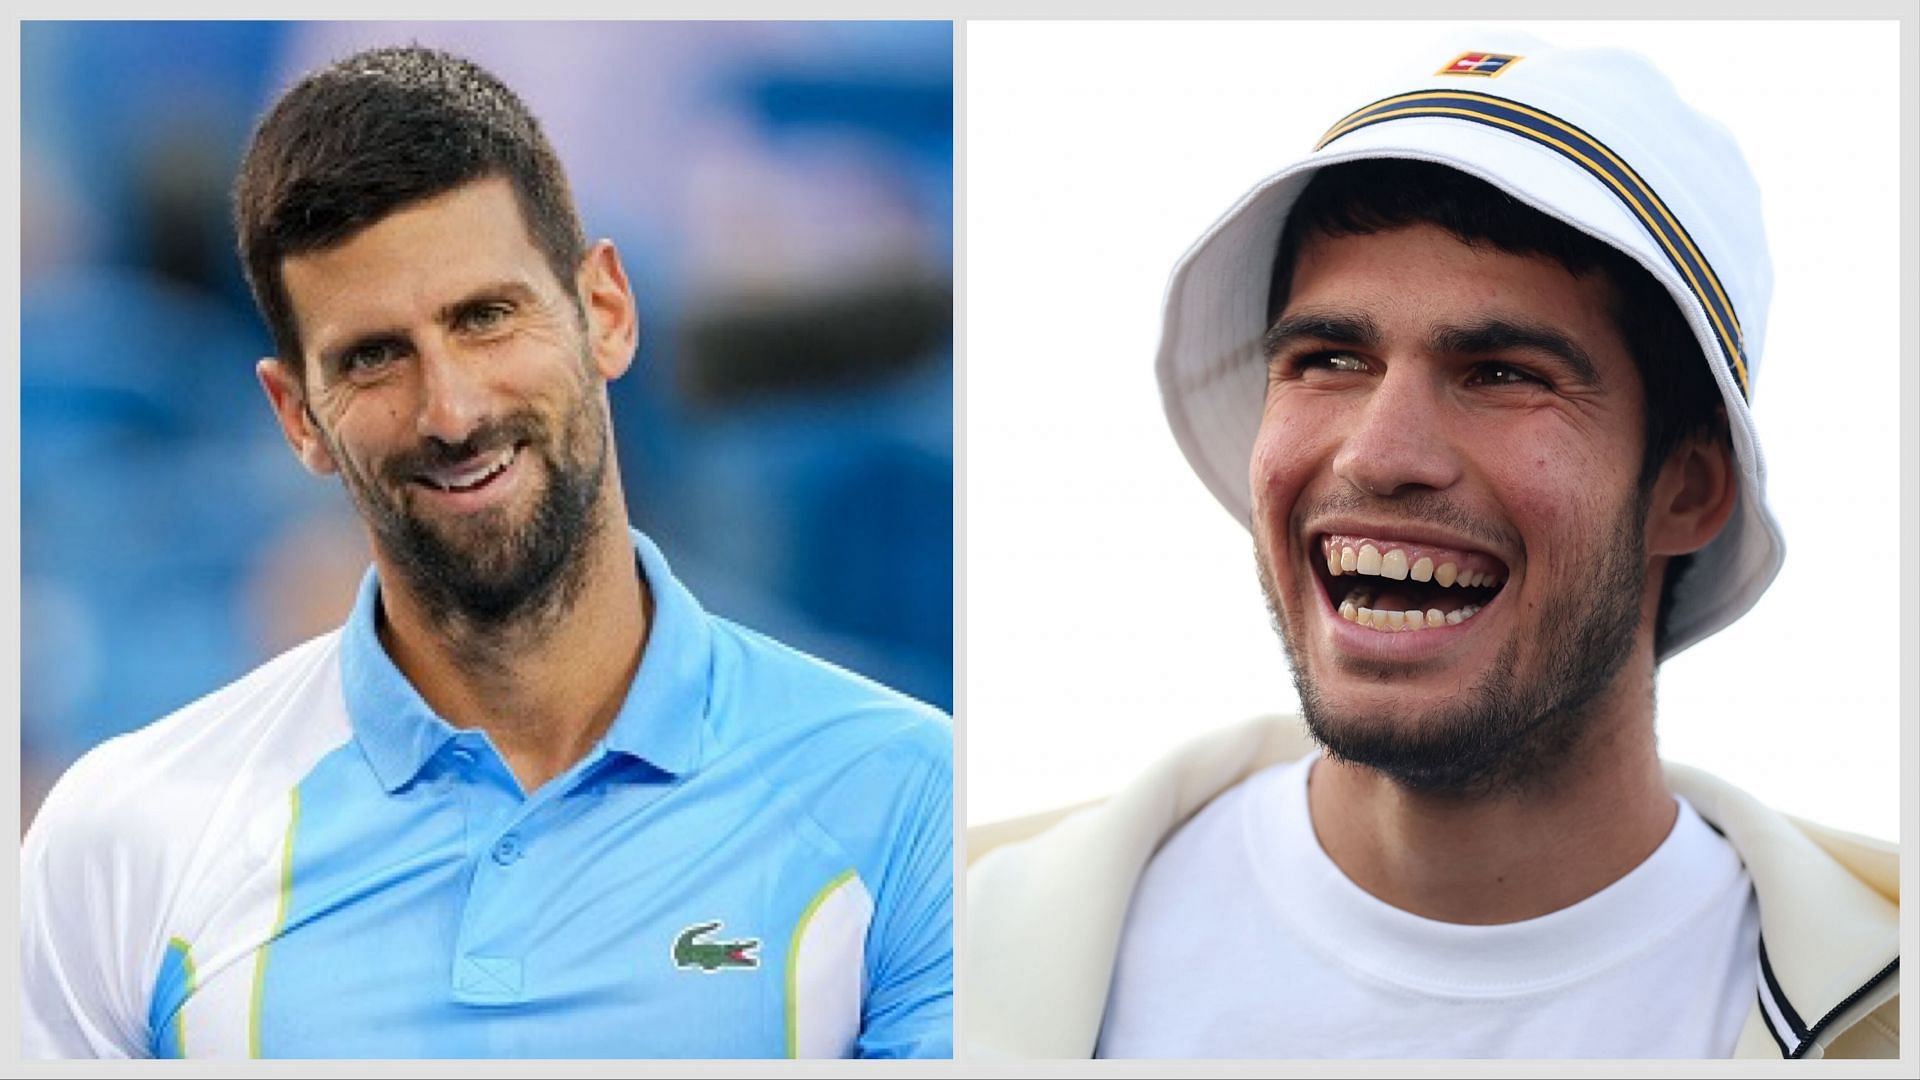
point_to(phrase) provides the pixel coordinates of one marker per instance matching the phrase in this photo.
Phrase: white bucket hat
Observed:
(1596, 138)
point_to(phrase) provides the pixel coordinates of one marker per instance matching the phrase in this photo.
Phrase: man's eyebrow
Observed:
(504, 289)
(1501, 335)
(1349, 328)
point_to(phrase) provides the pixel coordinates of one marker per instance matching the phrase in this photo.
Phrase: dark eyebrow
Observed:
(507, 289)
(1346, 328)
(1501, 335)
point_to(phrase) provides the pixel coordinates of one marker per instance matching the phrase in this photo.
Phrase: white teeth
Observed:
(474, 474)
(1369, 560)
(1396, 564)
(1403, 621)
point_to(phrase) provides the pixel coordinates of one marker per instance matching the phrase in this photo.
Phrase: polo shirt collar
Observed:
(662, 721)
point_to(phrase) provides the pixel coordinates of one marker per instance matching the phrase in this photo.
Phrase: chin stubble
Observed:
(500, 575)
(1507, 730)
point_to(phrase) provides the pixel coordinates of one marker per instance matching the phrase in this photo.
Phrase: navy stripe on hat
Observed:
(1584, 150)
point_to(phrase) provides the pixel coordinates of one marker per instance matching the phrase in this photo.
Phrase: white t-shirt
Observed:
(1246, 941)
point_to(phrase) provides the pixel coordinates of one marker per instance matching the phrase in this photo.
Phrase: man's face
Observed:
(449, 379)
(1468, 424)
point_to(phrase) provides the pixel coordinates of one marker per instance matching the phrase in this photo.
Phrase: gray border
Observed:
(959, 529)
(10, 508)
(1909, 588)
(1910, 522)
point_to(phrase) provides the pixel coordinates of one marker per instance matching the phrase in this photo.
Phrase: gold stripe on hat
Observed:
(1419, 104)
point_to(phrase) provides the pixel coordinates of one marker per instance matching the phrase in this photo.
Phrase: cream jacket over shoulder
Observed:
(1826, 982)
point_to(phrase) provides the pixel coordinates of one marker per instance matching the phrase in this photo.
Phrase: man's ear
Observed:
(1693, 496)
(613, 319)
(288, 396)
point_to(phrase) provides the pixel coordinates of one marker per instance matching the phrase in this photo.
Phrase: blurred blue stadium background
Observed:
(782, 196)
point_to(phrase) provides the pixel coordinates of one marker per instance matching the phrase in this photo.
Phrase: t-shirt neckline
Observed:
(1356, 930)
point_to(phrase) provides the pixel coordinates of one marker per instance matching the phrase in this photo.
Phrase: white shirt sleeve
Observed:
(81, 957)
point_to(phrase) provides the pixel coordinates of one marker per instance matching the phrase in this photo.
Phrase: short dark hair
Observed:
(1368, 196)
(374, 133)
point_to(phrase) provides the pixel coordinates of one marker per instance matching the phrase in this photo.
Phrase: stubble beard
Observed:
(488, 573)
(1509, 731)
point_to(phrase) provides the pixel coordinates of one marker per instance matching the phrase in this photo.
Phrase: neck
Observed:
(545, 687)
(1518, 853)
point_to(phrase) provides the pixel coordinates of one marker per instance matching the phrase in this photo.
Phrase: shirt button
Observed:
(507, 850)
(463, 756)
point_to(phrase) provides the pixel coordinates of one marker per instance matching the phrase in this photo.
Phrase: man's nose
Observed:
(453, 395)
(1400, 437)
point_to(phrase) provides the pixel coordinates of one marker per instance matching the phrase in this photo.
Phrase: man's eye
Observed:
(1330, 361)
(1498, 374)
(367, 357)
(484, 317)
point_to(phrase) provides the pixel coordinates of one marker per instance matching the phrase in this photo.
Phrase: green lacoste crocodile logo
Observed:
(711, 956)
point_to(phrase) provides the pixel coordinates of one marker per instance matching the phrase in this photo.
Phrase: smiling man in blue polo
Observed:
(531, 800)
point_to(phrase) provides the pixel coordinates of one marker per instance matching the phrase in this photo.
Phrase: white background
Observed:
(1111, 606)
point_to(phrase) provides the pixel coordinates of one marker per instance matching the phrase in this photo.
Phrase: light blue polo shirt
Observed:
(755, 861)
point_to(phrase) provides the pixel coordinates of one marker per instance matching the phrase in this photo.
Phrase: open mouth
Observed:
(1393, 586)
(472, 474)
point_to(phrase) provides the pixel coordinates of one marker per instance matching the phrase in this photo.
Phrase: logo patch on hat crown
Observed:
(1484, 64)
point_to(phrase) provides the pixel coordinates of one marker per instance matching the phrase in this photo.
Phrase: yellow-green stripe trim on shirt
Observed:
(793, 959)
(279, 925)
(185, 950)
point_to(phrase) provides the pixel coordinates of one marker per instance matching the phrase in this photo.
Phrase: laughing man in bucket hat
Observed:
(1476, 373)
